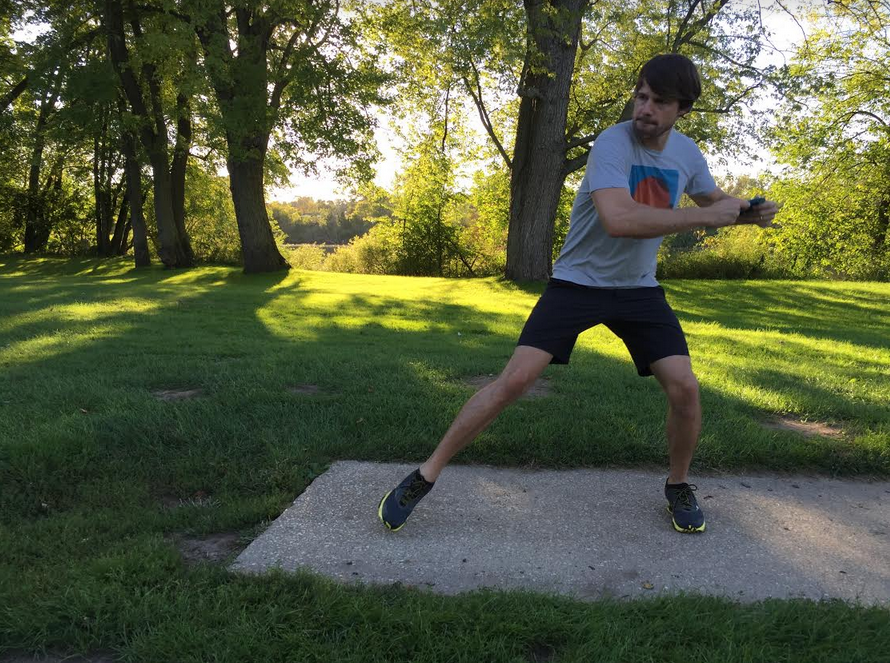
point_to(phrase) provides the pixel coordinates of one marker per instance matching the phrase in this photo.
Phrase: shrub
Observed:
(740, 252)
(375, 252)
(306, 256)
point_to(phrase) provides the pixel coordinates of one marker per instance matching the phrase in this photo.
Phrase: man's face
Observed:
(653, 115)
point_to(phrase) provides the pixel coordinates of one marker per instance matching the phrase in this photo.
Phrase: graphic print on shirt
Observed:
(655, 187)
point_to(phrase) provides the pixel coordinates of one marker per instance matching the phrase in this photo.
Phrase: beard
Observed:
(647, 130)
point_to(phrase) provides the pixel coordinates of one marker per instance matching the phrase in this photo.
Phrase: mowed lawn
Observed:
(138, 408)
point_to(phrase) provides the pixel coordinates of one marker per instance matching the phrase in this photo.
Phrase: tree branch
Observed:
(682, 26)
(698, 25)
(578, 142)
(853, 114)
(732, 102)
(483, 114)
(13, 94)
(723, 55)
(577, 163)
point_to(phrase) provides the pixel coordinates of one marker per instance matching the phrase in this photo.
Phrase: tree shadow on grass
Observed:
(791, 307)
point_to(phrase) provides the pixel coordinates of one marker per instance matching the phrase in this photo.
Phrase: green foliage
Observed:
(210, 217)
(739, 252)
(486, 233)
(309, 221)
(424, 202)
(427, 234)
(564, 213)
(834, 228)
(70, 209)
(10, 200)
(834, 136)
(299, 72)
(743, 252)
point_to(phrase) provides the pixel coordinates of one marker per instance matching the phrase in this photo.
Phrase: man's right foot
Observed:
(686, 515)
(397, 504)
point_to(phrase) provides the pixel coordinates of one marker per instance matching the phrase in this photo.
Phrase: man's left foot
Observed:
(686, 515)
(397, 504)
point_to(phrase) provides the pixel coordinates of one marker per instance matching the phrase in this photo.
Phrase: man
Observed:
(605, 273)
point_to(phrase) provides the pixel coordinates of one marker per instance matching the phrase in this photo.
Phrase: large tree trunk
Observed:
(173, 251)
(102, 175)
(539, 156)
(177, 173)
(170, 249)
(134, 197)
(257, 243)
(118, 244)
(240, 83)
(36, 225)
(36, 221)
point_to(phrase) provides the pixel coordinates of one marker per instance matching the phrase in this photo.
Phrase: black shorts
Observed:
(641, 317)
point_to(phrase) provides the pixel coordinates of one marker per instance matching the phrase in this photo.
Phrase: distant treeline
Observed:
(308, 221)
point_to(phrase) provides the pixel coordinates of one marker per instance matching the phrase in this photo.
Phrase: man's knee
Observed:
(513, 384)
(683, 393)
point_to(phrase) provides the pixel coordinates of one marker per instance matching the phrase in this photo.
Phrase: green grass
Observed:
(88, 455)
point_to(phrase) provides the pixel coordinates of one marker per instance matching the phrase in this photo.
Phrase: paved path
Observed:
(590, 534)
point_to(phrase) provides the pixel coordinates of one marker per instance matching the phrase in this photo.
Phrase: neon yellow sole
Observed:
(382, 520)
(684, 530)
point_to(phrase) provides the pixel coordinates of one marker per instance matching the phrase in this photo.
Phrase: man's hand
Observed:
(761, 215)
(726, 212)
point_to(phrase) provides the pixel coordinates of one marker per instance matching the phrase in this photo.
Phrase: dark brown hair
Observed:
(672, 76)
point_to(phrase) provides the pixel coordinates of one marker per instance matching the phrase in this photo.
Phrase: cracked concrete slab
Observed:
(590, 534)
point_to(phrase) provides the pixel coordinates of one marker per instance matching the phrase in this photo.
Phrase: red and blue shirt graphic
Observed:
(655, 187)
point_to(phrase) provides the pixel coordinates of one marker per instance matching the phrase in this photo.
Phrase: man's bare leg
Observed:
(684, 412)
(522, 370)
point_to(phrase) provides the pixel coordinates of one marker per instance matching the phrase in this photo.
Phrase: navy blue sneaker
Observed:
(397, 504)
(686, 515)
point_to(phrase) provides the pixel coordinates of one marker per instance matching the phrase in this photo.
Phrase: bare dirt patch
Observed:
(808, 428)
(168, 395)
(305, 389)
(540, 653)
(539, 389)
(216, 548)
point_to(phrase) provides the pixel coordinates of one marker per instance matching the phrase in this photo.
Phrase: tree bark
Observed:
(257, 243)
(539, 155)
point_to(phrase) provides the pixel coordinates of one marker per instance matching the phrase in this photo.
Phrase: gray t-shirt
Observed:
(618, 160)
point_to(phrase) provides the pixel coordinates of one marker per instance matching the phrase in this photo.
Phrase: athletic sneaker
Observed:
(687, 516)
(397, 504)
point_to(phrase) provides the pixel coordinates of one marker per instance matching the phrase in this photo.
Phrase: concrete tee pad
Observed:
(590, 534)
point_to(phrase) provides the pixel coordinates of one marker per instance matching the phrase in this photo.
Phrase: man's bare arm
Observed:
(709, 199)
(622, 216)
